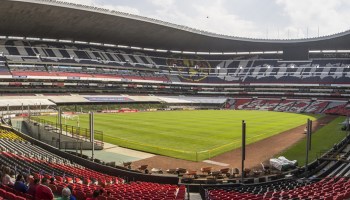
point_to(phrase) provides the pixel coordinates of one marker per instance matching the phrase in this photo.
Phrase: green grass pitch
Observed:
(322, 141)
(190, 135)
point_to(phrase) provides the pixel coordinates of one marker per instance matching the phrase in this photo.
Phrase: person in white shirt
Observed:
(6, 178)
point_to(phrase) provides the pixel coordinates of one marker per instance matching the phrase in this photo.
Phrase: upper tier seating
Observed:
(39, 70)
(264, 71)
(186, 68)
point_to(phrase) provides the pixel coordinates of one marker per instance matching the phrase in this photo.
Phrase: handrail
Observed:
(72, 131)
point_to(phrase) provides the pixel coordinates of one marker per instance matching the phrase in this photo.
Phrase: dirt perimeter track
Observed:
(256, 153)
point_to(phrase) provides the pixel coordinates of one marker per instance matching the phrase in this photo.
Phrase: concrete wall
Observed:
(113, 171)
(39, 132)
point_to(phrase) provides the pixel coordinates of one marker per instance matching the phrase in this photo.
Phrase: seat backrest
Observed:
(181, 170)
(11, 196)
(54, 188)
(2, 192)
(206, 169)
(20, 198)
(143, 167)
(80, 195)
(225, 170)
(102, 198)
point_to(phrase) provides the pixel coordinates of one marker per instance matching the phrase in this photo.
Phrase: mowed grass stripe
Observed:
(169, 127)
(166, 129)
(189, 131)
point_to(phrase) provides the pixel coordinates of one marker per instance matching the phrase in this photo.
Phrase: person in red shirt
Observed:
(43, 192)
(94, 195)
(33, 186)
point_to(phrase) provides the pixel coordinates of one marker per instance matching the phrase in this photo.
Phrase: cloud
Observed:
(162, 3)
(126, 9)
(212, 16)
(327, 16)
(217, 18)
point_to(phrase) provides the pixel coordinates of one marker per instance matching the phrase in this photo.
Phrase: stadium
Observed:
(114, 105)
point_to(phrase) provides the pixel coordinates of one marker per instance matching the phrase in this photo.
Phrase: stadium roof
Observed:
(60, 20)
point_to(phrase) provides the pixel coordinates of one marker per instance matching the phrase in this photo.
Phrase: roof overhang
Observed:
(51, 19)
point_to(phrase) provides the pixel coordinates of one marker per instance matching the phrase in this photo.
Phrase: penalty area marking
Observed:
(216, 163)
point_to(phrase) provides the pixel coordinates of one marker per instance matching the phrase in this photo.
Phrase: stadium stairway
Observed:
(195, 196)
(173, 78)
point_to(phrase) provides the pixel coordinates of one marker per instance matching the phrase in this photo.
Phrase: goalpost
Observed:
(71, 117)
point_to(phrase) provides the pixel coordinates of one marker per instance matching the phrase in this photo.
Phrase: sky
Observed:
(266, 19)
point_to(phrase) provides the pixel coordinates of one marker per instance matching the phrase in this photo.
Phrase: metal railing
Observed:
(74, 132)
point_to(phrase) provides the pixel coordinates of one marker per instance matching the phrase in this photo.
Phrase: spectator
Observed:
(20, 185)
(86, 181)
(102, 183)
(12, 174)
(29, 180)
(66, 194)
(33, 186)
(93, 181)
(52, 181)
(102, 191)
(43, 192)
(25, 178)
(72, 197)
(6, 178)
(95, 195)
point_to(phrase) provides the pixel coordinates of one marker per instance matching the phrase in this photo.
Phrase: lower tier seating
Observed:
(21, 157)
(328, 189)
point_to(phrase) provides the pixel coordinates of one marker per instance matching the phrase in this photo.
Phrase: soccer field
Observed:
(190, 135)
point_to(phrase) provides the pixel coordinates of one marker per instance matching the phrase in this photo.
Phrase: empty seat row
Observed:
(328, 188)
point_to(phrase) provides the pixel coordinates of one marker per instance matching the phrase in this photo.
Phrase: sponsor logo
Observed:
(109, 99)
